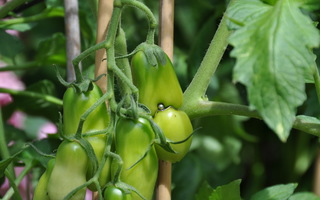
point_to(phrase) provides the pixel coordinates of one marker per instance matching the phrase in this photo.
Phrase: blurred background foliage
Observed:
(225, 148)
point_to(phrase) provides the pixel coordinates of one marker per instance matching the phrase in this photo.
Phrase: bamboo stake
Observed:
(104, 15)
(166, 43)
(72, 35)
(105, 8)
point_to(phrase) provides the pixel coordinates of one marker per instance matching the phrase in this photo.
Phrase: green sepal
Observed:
(160, 137)
(154, 54)
(126, 188)
(90, 153)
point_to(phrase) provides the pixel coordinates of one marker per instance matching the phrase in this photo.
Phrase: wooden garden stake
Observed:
(166, 43)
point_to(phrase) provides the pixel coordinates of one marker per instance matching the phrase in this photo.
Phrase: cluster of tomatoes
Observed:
(133, 139)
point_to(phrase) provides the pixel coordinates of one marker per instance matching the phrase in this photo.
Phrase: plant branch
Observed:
(208, 66)
(47, 13)
(4, 151)
(24, 66)
(47, 98)
(317, 81)
(152, 20)
(203, 108)
(23, 173)
(9, 6)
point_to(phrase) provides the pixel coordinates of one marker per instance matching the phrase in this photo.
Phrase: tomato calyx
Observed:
(153, 52)
(81, 84)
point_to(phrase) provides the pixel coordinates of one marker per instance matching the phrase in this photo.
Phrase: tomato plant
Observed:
(163, 99)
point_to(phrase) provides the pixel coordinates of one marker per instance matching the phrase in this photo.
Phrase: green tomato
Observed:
(176, 126)
(40, 192)
(132, 140)
(68, 172)
(156, 84)
(114, 193)
(76, 104)
(98, 144)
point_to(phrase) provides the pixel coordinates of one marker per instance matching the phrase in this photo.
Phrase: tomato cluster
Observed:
(128, 166)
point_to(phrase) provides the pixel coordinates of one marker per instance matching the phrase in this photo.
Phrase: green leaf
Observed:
(304, 196)
(230, 191)
(242, 12)
(50, 51)
(274, 59)
(187, 177)
(277, 192)
(309, 5)
(10, 45)
(204, 192)
(6, 162)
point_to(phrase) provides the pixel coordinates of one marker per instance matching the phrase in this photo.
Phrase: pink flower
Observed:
(17, 119)
(11, 81)
(47, 128)
(24, 187)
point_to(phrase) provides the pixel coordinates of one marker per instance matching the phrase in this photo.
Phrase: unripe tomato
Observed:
(68, 172)
(176, 126)
(76, 104)
(156, 84)
(41, 192)
(114, 193)
(98, 144)
(132, 140)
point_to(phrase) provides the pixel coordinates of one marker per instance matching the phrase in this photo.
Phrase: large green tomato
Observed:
(114, 193)
(132, 140)
(41, 192)
(68, 172)
(156, 84)
(176, 126)
(74, 106)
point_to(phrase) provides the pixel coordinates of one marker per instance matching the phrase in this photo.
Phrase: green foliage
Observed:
(274, 58)
(277, 192)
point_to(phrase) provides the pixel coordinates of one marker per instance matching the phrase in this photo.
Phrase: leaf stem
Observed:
(208, 66)
(9, 6)
(4, 151)
(203, 108)
(317, 81)
(47, 13)
(25, 66)
(23, 173)
(48, 98)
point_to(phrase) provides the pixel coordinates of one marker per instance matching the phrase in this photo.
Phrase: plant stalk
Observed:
(9, 6)
(47, 98)
(4, 151)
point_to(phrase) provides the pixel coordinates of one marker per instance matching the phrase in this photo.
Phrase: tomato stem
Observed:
(208, 66)
(317, 81)
(4, 151)
(9, 6)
